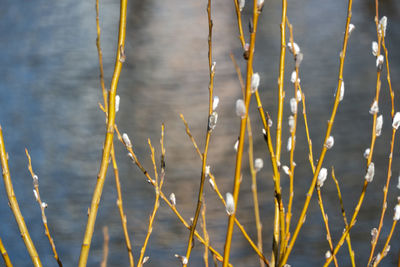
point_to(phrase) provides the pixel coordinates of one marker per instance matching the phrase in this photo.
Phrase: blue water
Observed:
(49, 94)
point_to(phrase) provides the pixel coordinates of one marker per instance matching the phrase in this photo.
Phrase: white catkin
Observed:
(117, 100)
(291, 123)
(240, 108)
(378, 127)
(351, 28)
(341, 94)
(286, 169)
(293, 105)
(211, 183)
(323, 173)
(126, 139)
(289, 144)
(379, 62)
(366, 153)
(241, 4)
(215, 102)
(213, 66)
(260, 4)
(172, 198)
(44, 205)
(328, 254)
(298, 95)
(230, 204)
(293, 77)
(255, 82)
(235, 146)
(295, 46)
(383, 25)
(396, 120)
(145, 259)
(330, 142)
(258, 164)
(35, 194)
(374, 48)
(369, 176)
(374, 108)
(396, 216)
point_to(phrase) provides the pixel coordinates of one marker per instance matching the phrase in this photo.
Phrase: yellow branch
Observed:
(4, 254)
(120, 58)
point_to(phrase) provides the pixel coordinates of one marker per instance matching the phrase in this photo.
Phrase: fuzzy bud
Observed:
(351, 28)
(260, 4)
(126, 139)
(117, 100)
(293, 77)
(255, 82)
(172, 199)
(383, 25)
(298, 96)
(341, 94)
(328, 254)
(286, 169)
(366, 152)
(323, 173)
(369, 176)
(215, 102)
(299, 59)
(329, 142)
(374, 108)
(240, 108)
(212, 121)
(44, 205)
(230, 204)
(207, 171)
(293, 105)
(145, 259)
(374, 48)
(291, 123)
(236, 145)
(378, 127)
(396, 120)
(295, 49)
(289, 144)
(183, 259)
(241, 4)
(396, 216)
(258, 164)
(35, 194)
(379, 62)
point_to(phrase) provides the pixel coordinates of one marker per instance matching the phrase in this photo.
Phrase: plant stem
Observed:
(4, 254)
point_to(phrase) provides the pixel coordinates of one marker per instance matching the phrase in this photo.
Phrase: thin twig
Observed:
(105, 247)
(205, 233)
(4, 255)
(13, 203)
(42, 206)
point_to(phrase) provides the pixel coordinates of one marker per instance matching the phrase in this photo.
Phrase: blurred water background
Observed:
(49, 94)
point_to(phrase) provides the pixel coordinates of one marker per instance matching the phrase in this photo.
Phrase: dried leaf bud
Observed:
(145, 259)
(298, 95)
(396, 120)
(374, 108)
(207, 171)
(240, 108)
(255, 82)
(172, 199)
(212, 121)
(295, 49)
(291, 123)
(126, 139)
(323, 173)
(236, 145)
(351, 28)
(293, 77)
(329, 142)
(215, 102)
(374, 234)
(298, 59)
(230, 204)
(293, 105)
(241, 4)
(383, 25)
(369, 176)
(117, 100)
(396, 216)
(379, 62)
(374, 48)
(44, 205)
(286, 169)
(258, 164)
(378, 126)
(366, 153)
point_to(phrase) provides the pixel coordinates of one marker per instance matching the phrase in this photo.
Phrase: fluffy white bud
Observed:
(396, 120)
(289, 144)
(351, 28)
(366, 153)
(126, 139)
(235, 146)
(383, 25)
(240, 108)
(117, 100)
(44, 205)
(294, 49)
(369, 176)
(291, 123)
(258, 164)
(329, 142)
(286, 169)
(230, 204)
(172, 198)
(207, 171)
(215, 102)
(341, 94)
(379, 62)
(378, 127)
(323, 173)
(241, 4)
(396, 216)
(374, 48)
(374, 108)
(255, 82)
(293, 105)
(328, 254)
(298, 95)
(293, 77)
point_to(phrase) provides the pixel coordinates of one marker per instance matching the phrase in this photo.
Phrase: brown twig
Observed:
(42, 206)
(13, 203)
(105, 247)
(205, 233)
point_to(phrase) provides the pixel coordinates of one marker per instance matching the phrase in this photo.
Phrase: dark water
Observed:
(50, 90)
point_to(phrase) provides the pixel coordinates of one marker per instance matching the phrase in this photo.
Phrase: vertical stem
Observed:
(120, 58)
(12, 200)
(4, 254)
(105, 247)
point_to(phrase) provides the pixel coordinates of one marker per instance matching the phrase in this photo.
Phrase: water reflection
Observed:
(49, 98)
